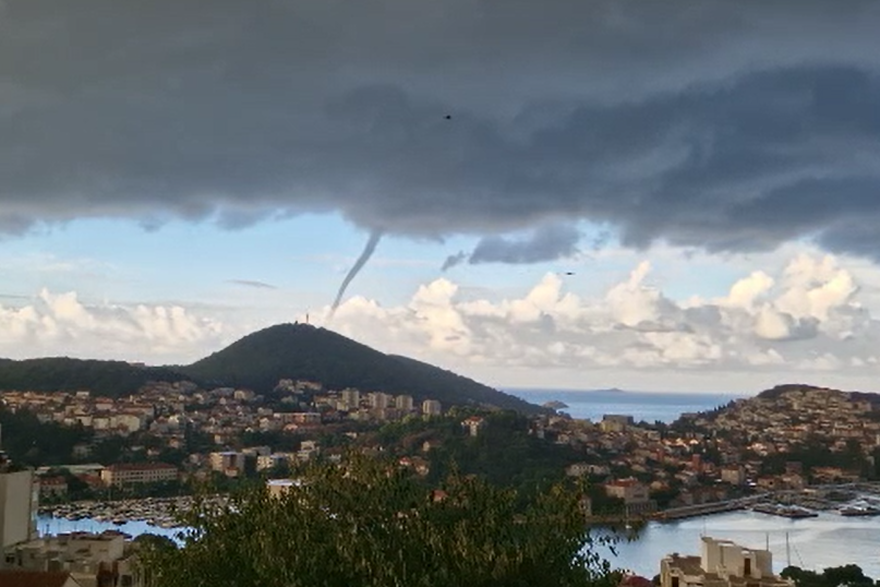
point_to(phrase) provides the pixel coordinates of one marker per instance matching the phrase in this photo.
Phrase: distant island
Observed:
(555, 405)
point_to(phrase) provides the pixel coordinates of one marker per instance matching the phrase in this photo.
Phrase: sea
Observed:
(641, 405)
(811, 543)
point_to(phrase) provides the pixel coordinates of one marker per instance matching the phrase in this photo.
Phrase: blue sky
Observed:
(231, 282)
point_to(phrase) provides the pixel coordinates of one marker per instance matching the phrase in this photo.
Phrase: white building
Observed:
(229, 463)
(91, 559)
(404, 403)
(378, 400)
(721, 564)
(279, 487)
(473, 425)
(138, 474)
(19, 499)
(630, 490)
(351, 398)
(431, 407)
(271, 461)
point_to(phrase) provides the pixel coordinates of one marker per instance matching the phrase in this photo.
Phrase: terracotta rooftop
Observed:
(16, 578)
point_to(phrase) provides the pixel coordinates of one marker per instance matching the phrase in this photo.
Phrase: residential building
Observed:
(721, 564)
(577, 470)
(279, 487)
(230, 463)
(307, 449)
(404, 403)
(306, 418)
(351, 398)
(138, 473)
(272, 461)
(19, 499)
(630, 490)
(431, 407)
(52, 486)
(473, 425)
(90, 559)
(615, 422)
(733, 474)
(378, 400)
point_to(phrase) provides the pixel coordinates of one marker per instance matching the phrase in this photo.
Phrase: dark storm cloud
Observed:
(547, 243)
(715, 124)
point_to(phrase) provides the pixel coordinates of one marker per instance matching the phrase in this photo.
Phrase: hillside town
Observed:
(760, 446)
(772, 442)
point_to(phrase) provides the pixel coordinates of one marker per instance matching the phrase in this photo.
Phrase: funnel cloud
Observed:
(368, 251)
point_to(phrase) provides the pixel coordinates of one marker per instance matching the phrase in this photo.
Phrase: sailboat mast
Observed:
(787, 551)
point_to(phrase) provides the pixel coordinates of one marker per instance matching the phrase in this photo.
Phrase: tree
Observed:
(843, 576)
(368, 523)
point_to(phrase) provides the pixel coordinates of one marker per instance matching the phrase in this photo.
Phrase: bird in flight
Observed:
(448, 117)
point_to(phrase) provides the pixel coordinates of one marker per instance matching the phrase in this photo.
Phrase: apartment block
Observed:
(721, 564)
(19, 499)
(431, 407)
(138, 473)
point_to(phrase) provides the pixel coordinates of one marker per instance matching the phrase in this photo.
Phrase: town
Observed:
(790, 451)
(787, 439)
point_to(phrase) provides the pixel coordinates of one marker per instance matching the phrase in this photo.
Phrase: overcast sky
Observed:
(651, 195)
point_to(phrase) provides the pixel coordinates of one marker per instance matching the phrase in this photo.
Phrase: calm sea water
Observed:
(812, 543)
(647, 406)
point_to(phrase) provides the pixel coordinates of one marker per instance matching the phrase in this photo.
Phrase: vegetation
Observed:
(369, 523)
(815, 453)
(258, 362)
(504, 453)
(299, 351)
(845, 576)
(33, 443)
(103, 378)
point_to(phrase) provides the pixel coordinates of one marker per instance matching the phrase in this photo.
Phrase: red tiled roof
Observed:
(16, 578)
(636, 581)
(624, 482)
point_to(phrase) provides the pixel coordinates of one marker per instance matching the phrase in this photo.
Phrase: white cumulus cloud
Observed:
(60, 324)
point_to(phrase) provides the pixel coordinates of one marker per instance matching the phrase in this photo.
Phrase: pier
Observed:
(697, 510)
(812, 497)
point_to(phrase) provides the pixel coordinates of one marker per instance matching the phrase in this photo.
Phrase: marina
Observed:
(786, 511)
(155, 512)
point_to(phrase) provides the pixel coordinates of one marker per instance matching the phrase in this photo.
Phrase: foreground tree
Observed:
(371, 524)
(843, 576)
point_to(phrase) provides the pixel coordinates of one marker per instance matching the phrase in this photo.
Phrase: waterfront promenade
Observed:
(812, 497)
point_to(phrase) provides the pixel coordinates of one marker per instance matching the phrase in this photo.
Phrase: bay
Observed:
(813, 543)
(49, 525)
(810, 543)
(641, 405)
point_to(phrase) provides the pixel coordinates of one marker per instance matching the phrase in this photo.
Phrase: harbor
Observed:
(155, 512)
(849, 500)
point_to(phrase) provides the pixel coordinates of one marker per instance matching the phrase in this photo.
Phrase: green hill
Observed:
(300, 351)
(258, 361)
(103, 378)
